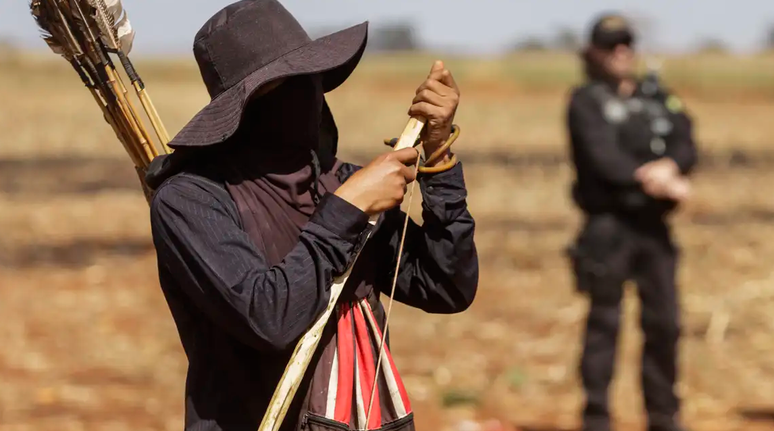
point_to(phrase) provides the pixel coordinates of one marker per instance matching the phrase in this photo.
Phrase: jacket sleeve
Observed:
(439, 265)
(597, 142)
(681, 146)
(214, 262)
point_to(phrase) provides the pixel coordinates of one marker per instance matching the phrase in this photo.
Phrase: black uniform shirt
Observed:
(611, 137)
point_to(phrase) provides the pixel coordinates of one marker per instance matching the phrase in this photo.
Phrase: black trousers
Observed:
(611, 250)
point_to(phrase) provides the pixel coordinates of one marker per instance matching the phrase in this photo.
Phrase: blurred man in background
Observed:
(632, 147)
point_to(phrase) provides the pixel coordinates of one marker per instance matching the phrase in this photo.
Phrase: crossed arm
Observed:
(599, 146)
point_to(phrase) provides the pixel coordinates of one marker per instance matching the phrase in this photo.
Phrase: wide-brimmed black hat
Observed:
(610, 30)
(251, 43)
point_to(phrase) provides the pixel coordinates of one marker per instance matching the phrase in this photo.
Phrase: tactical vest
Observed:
(642, 120)
(644, 129)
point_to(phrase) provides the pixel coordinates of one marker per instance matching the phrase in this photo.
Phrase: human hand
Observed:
(679, 190)
(381, 185)
(661, 179)
(436, 101)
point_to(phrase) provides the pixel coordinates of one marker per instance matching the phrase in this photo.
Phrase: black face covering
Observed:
(272, 170)
(286, 120)
(289, 130)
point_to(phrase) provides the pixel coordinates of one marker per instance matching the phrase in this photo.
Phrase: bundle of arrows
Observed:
(89, 34)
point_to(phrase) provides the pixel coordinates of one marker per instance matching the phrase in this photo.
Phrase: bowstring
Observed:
(392, 293)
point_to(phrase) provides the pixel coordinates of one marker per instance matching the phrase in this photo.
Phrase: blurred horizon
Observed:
(484, 27)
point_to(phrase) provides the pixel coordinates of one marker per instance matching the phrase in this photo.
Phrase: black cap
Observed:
(611, 30)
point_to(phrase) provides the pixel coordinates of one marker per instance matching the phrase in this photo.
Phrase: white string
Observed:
(392, 295)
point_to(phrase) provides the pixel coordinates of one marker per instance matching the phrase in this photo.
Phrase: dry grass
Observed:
(88, 343)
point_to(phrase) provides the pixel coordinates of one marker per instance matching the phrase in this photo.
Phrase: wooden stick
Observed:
(82, 69)
(116, 114)
(147, 104)
(133, 141)
(302, 355)
(150, 148)
(147, 143)
(153, 115)
(119, 133)
(126, 111)
(410, 134)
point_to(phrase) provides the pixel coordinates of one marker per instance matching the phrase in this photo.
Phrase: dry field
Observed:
(88, 343)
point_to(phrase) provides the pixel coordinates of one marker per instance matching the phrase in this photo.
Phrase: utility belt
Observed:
(602, 239)
(632, 204)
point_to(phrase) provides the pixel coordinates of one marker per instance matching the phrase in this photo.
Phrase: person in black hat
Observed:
(633, 149)
(253, 216)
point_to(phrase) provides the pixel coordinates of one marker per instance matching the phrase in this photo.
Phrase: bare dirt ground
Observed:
(88, 343)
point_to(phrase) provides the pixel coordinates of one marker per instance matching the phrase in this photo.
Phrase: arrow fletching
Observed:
(115, 28)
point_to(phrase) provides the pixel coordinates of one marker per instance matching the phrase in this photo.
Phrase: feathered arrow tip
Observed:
(44, 26)
(116, 30)
(55, 29)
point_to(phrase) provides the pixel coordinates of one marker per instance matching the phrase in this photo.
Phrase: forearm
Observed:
(439, 271)
(283, 302)
(681, 146)
(685, 156)
(218, 266)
